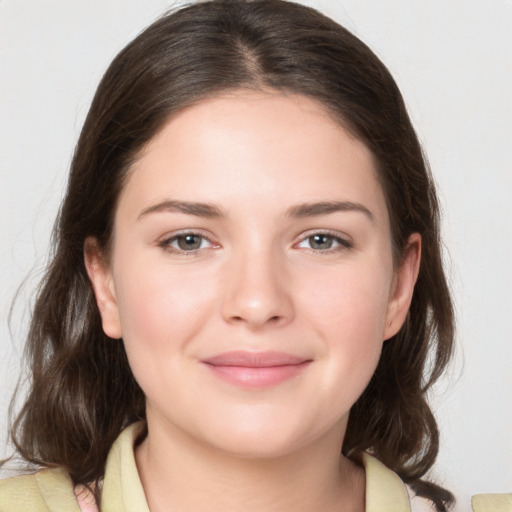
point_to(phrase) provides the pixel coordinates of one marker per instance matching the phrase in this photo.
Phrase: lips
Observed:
(256, 369)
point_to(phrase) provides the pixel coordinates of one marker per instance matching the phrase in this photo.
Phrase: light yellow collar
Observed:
(122, 489)
(385, 492)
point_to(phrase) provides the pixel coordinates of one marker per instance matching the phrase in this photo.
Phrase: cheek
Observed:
(348, 310)
(161, 313)
(352, 301)
(161, 308)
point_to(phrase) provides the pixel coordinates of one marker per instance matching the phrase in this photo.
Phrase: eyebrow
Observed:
(209, 210)
(187, 207)
(327, 207)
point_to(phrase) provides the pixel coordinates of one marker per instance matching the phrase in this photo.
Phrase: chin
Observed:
(259, 445)
(259, 436)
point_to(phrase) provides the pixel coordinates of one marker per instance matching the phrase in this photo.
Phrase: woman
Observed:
(247, 281)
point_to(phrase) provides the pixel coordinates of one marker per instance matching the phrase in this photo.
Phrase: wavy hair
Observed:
(82, 391)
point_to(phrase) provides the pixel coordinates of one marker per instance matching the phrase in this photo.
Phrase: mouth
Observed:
(256, 369)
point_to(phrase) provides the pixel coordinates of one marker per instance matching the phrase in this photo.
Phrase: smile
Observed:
(256, 369)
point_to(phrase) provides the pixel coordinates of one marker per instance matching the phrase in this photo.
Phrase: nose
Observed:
(258, 291)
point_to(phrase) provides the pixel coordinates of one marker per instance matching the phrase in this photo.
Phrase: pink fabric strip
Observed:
(85, 499)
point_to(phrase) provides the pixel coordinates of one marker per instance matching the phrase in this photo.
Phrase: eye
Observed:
(324, 242)
(186, 242)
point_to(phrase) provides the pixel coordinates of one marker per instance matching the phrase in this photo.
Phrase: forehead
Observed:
(258, 145)
(243, 109)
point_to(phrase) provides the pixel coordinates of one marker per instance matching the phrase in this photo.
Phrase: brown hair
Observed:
(82, 390)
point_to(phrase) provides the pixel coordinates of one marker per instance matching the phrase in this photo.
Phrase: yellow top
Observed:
(51, 490)
(492, 502)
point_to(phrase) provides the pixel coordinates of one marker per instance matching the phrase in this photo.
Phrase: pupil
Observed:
(320, 242)
(189, 242)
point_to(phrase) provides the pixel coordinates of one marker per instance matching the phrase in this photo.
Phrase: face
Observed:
(251, 275)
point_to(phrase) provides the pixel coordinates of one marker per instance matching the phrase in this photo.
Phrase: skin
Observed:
(258, 281)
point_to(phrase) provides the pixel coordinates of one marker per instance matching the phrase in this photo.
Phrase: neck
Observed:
(178, 473)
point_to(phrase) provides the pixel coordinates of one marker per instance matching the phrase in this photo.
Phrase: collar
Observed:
(385, 492)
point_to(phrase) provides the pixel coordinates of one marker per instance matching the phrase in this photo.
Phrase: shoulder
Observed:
(48, 490)
(20, 493)
(492, 502)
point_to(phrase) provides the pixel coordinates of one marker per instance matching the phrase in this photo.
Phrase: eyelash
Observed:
(342, 243)
(166, 244)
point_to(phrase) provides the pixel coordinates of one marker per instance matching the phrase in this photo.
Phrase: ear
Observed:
(100, 274)
(403, 286)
